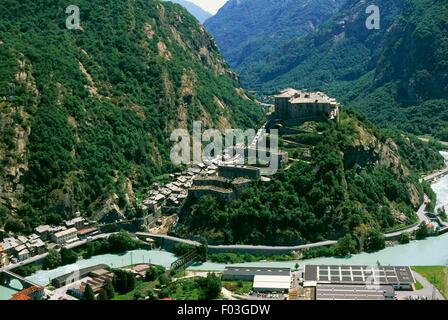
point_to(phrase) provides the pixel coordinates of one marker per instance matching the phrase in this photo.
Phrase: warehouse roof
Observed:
(257, 271)
(358, 274)
(354, 292)
(272, 282)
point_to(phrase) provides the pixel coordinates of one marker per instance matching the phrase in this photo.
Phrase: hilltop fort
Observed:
(293, 106)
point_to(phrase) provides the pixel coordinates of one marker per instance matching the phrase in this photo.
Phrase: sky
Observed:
(211, 6)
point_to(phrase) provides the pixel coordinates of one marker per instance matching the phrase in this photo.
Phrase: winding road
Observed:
(244, 248)
(421, 213)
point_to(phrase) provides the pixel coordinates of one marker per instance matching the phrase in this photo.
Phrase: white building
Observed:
(77, 223)
(23, 255)
(64, 236)
(263, 283)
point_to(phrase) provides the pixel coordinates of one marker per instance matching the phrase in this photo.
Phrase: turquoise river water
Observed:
(431, 251)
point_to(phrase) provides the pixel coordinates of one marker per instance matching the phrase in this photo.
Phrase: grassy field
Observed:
(141, 288)
(185, 289)
(238, 287)
(437, 275)
(418, 285)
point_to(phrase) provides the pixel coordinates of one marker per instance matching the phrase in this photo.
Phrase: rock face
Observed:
(86, 115)
(365, 150)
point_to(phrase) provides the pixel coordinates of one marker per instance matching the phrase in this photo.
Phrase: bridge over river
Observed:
(7, 277)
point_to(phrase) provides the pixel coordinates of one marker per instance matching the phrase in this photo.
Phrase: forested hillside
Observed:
(248, 31)
(341, 49)
(195, 10)
(359, 181)
(397, 75)
(86, 115)
(409, 85)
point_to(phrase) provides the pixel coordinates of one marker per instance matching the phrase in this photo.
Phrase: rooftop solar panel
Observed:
(372, 274)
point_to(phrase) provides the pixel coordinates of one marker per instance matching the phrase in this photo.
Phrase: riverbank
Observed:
(420, 253)
(428, 252)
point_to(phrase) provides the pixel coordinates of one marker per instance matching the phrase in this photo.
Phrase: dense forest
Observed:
(397, 75)
(248, 31)
(361, 181)
(86, 114)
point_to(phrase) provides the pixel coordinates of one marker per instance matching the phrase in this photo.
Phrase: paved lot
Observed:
(427, 290)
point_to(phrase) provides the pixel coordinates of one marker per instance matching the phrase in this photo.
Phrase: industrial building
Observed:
(400, 278)
(271, 283)
(354, 292)
(264, 279)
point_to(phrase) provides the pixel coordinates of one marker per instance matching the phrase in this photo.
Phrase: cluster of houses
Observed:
(97, 280)
(223, 181)
(170, 197)
(16, 249)
(22, 247)
(96, 277)
(226, 186)
(31, 293)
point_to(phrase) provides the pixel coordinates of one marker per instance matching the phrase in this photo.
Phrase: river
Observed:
(440, 187)
(431, 251)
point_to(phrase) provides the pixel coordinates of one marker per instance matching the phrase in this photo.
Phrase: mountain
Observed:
(412, 72)
(341, 49)
(355, 179)
(248, 30)
(195, 10)
(86, 115)
(397, 75)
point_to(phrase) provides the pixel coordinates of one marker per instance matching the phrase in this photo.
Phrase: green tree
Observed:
(109, 289)
(68, 256)
(89, 250)
(14, 225)
(102, 295)
(164, 293)
(88, 293)
(405, 238)
(164, 279)
(422, 232)
(345, 246)
(4, 212)
(442, 214)
(375, 240)
(212, 286)
(123, 281)
(52, 260)
(154, 272)
(121, 242)
(203, 250)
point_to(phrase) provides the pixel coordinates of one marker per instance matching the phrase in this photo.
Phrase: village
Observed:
(222, 178)
(71, 233)
(225, 180)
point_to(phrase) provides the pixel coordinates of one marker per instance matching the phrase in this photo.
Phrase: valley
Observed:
(157, 149)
